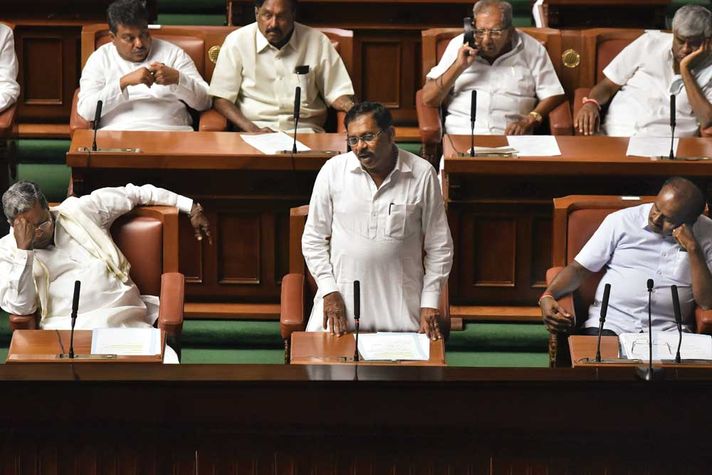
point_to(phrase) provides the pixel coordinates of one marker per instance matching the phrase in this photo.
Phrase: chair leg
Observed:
(286, 351)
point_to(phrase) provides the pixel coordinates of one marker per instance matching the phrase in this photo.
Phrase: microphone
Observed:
(673, 113)
(602, 320)
(75, 307)
(678, 319)
(357, 313)
(649, 374)
(297, 104)
(473, 114)
(97, 117)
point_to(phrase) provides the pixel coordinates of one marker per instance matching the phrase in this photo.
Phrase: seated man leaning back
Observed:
(669, 241)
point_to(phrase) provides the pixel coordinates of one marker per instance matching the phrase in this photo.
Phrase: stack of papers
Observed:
(394, 346)
(126, 341)
(503, 151)
(272, 144)
(694, 346)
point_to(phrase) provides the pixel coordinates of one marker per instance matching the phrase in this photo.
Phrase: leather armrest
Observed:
(703, 319)
(429, 121)
(560, 121)
(212, 121)
(291, 311)
(7, 120)
(579, 94)
(567, 301)
(170, 311)
(340, 127)
(23, 322)
(75, 120)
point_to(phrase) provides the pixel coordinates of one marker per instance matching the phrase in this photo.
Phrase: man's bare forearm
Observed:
(344, 103)
(568, 280)
(234, 115)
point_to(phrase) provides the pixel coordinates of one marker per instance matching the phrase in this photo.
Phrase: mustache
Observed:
(274, 30)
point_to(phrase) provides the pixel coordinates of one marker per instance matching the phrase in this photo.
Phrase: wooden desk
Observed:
(500, 209)
(246, 195)
(45, 346)
(324, 348)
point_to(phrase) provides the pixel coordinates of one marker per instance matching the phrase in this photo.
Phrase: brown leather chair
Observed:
(598, 48)
(148, 237)
(576, 218)
(299, 287)
(430, 119)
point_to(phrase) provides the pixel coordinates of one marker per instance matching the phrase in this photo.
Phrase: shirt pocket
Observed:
(401, 220)
(681, 268)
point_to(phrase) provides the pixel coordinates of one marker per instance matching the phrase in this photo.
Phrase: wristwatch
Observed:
(537, 117)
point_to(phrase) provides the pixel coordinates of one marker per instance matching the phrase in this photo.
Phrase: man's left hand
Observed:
(164, 75)
(429, 323)
(200, 223)
(685, 237)
(522, 126)
(691, 60)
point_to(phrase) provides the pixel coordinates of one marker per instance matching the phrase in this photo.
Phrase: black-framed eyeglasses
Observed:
(369, 138)
(493, 32)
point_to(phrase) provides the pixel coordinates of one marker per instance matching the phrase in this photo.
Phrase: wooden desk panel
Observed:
(246, 195)
(324, 348)
(500, 209)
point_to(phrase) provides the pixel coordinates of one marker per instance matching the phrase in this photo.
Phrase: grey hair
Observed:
(692, 21)
(22, 197)
(505, 9)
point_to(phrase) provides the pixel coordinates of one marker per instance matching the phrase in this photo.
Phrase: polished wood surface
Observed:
(500, 209)
(52, 346)
(324, 348)
(343, 419)
(246, 195)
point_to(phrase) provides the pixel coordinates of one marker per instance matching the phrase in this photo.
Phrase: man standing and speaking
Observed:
(376, 215)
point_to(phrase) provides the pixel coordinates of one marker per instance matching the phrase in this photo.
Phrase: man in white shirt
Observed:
(261, 64)
(376, 215)
(515, 81)
(669, 241)
(639, 81)
(48, 249)
(9, 88)
(144, 83)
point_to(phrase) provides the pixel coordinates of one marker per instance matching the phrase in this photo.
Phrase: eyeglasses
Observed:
(493, 32)
(369, 138)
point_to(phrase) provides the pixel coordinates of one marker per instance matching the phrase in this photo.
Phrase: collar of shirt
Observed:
(262, 44)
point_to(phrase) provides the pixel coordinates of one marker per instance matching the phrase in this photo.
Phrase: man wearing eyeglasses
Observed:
(144, 83)
(639, 81)
(515, 80)
(376, 215)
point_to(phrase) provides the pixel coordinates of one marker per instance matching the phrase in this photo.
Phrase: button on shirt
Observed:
(261, 81)
(644, 69)
(9, 88)
(141, 107)
(356, 231)
(510, 86)
(631, 254)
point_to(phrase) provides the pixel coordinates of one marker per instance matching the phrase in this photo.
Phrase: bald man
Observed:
(669, 241)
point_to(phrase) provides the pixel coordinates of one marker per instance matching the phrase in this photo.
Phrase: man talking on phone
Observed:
(516, 83)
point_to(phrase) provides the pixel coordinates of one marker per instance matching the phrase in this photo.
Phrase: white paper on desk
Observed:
(534, 145)
(271, 144)
(394, 346)
(650, 146)
(694, 346)
(126, 341)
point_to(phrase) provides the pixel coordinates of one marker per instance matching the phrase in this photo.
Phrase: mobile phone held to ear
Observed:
(469, 32)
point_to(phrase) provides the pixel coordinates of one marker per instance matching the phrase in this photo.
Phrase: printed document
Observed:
(126, 341)
(650, 146)
(394, 346)
(534, 145)
(694, 346)
(271, 144)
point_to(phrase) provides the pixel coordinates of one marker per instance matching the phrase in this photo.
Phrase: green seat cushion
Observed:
(497, 359)
(52, 179)
(191, 19)
(192, 6)
(195, 355)
(231, 333)
(507, 337)
(41, 150)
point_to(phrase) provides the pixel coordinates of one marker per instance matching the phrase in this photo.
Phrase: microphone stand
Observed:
(678, 320)
(75, 308)
(297, 104)
(357, 313)
(649, 373)
(673, 115)
(473, 114)
(97, 117)
(602, 320)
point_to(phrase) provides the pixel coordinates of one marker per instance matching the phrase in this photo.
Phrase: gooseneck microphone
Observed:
(357, 313)
(75, 308)
(297, 104)
(602, 320)
(673, 114)
(678, 319)
(473, 115)
(97, 118)
(648, 373)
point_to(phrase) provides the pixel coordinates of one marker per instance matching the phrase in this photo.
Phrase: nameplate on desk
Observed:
(325, 153)
(109, 150)
(92, 356)
(680, 159)
(608, 361)
(491, 152)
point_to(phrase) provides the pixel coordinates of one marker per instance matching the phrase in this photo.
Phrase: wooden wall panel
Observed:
(382, 55)
(494, 241)
(240, 238)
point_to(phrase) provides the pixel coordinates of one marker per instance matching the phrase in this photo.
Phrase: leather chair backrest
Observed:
(140, 238)
(607, 50)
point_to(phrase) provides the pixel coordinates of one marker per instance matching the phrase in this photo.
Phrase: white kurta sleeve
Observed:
(106, 204)
(317, 233)
(437, 243)
(9, 88)
(597, 252)
(99, 83)
(17, 287)
(448, 58)
(191, 88)
(333, 79)
(627, 62)
(547, 82)
(227, 76)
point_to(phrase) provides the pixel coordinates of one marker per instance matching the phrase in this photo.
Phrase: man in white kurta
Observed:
(514, 78)
(144, 83)
(39, 273)
(257, 73)
(639, 81)
(9, 88)
(376, 215)
(668, 241)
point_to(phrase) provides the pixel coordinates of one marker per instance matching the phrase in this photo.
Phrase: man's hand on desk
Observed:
(587, 120)
(140, 76)
(522, 126)
(556, 319)
(164, 75)
(335, 314)
(429, 323)
(200, 223)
